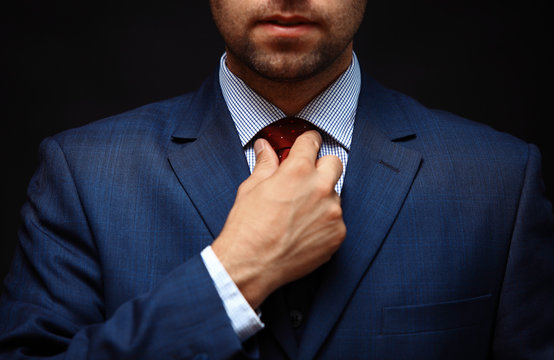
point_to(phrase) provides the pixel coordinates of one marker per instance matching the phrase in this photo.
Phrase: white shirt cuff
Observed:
(244, 319)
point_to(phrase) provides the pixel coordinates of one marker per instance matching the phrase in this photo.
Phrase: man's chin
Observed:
(284, 77)
(285, 68)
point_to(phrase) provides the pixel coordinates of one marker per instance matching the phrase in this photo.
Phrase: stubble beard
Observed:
(284, 64)
(287, 60)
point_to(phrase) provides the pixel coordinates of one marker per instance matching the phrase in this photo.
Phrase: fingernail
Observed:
(258, 146)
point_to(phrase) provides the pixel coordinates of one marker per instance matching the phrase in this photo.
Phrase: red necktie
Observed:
(282, 133)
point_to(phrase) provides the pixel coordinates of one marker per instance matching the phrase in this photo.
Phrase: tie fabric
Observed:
(282, 133)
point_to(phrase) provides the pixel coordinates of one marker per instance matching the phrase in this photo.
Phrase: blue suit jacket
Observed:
(449, 252)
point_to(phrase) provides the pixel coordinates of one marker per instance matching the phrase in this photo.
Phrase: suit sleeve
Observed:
(525, 319)
(52, 301)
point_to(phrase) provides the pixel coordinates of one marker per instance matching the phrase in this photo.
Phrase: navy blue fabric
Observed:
(448, 253)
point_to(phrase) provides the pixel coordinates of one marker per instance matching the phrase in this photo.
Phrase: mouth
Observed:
(287, 26)
(285, 23)
(281, 20)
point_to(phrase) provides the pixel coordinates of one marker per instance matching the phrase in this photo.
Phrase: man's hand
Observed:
(286, 220)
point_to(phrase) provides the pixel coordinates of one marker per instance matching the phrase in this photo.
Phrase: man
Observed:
(138, 241)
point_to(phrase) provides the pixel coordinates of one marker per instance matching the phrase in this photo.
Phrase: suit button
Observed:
(296, 318)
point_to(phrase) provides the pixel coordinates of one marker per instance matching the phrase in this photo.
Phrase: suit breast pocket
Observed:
(436, 316)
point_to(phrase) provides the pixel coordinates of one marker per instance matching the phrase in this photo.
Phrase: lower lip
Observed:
(287, 31)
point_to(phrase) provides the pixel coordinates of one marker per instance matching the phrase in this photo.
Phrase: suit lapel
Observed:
(207, 156)
(378, 176)
(209, 161)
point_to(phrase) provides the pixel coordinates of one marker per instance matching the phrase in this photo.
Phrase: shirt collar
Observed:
(332, 111)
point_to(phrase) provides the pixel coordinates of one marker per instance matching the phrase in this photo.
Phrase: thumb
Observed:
(266, 164)
(267, 161)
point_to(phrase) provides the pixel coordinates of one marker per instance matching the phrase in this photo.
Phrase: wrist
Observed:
(250, 277)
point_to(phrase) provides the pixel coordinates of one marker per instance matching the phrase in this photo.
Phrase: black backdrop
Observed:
(65, 63)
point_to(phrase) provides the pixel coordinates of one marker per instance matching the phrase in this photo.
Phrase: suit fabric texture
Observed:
(448, 252)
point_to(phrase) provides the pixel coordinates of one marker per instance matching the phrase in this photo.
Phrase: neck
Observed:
(292, 96)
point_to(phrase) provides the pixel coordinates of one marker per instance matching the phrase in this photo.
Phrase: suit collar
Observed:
(198, 115)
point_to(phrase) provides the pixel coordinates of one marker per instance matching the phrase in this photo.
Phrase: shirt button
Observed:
(296, 318)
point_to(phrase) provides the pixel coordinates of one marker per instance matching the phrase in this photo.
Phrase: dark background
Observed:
(66, 63)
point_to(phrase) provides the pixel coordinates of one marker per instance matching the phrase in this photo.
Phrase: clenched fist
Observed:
(286, 220)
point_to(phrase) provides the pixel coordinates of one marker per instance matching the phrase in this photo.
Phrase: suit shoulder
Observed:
(151, 121)
(458, 154)
(444, 132)
(464, 135)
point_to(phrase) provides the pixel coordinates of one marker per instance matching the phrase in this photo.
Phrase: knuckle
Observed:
(335, 165)
(337, 162)
(311, 138)
(333, 159)
(335, 212)
(323, 189)
(316, 142)
(243, 188)
(316, 136)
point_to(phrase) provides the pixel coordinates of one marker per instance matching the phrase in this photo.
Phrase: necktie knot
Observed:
(282, 134)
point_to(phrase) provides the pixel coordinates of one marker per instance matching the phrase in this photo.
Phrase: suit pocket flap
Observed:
(436, 316)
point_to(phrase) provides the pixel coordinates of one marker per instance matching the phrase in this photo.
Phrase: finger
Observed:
(330, 167)
(266, 160)
(306, 146)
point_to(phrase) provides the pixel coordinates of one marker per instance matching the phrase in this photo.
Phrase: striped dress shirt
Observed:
(333, 112)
